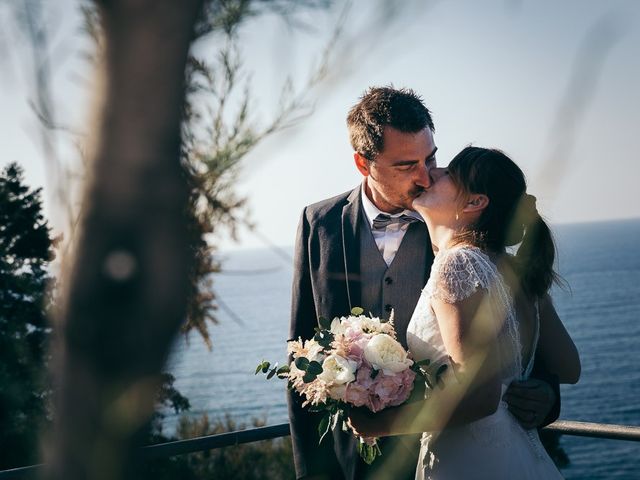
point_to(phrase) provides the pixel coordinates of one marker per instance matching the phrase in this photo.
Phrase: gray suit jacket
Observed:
(326, 283)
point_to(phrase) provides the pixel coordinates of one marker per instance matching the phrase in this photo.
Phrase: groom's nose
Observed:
(423, 177)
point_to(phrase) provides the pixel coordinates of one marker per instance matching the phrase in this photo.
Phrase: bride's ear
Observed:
(476, 203)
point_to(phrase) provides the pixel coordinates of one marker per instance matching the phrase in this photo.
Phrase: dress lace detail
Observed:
(497, 443)
(457, 274)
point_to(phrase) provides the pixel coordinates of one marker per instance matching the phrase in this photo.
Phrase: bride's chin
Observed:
(419, 203)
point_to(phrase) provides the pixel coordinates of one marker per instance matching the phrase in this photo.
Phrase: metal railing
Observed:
(182, 447)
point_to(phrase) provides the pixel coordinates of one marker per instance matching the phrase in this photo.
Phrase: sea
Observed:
(600, 307)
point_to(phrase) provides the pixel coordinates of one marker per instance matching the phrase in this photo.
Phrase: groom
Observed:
(367, 248)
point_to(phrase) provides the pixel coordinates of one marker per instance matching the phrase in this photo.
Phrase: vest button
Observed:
(388, 307)
(388, 280)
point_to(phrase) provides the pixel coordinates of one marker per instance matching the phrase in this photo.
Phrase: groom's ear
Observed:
(362, 164)
(476, 203)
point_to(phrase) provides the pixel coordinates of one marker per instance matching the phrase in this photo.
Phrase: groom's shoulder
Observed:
(328, 207)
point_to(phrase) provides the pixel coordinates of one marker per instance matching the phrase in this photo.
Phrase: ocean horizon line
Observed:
(288, 248)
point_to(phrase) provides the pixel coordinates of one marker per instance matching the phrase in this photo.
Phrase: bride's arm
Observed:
(555, 346)
(468, 333)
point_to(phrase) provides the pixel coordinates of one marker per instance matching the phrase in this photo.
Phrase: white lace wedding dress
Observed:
(495, 447)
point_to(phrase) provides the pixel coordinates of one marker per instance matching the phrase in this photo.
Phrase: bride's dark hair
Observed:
(510, 217)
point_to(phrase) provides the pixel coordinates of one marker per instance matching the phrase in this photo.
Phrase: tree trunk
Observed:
(125, 291)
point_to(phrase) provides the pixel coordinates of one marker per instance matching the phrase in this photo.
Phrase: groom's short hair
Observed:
(380, 107)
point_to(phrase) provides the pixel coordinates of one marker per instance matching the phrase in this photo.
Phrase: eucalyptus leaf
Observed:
(314, 368)
(271, 373)
(325, 323)
(309, 377)
(427, 381)
(368, 453)
(357, 311)
(324, 338)
(302, 363)
(423, 363)
(265, 366)
(374, 373)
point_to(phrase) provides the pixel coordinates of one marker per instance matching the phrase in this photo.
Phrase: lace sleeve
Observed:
(458, 273)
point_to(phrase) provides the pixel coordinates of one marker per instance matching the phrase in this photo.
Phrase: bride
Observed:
(478, 314)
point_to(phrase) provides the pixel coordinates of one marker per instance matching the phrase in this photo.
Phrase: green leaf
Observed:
(324, 338)
(283, 370)
(271, 373)
(357, 311)
(302, 363)
(314, 368)
(309, 377)
(427, 381)
(423, 363)
(374, 373)
(323, 426)
(368, 453)
(441, 369)
(324, 323)
(262, 367)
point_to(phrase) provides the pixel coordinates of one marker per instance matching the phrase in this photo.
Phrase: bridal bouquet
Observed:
(351, 361)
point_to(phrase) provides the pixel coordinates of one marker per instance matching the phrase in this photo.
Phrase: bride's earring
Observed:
(457, 216)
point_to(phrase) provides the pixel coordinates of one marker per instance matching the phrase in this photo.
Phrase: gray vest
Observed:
(397, 286)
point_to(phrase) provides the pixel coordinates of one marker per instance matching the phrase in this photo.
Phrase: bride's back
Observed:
(525, 309)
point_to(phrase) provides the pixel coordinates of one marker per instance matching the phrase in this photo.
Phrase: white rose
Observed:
(314, 351)
(338, 370)
(337, 327)
(386, 354)
(337, 391)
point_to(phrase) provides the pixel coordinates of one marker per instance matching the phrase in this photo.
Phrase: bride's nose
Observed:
(437, 173)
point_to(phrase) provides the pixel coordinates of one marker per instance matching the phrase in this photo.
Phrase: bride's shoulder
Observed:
(459, 271)
(461, 257)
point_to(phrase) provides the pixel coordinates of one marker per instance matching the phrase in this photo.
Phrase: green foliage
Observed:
(324, 339)
(25, 252)
(168, 397)
(219, 130)
(367, 452)
(268, 459)
(302, 363)
(324, 323)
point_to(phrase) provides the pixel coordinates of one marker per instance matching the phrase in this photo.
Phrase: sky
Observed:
(554, 84)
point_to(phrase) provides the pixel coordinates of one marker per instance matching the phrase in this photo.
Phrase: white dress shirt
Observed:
(389, 239)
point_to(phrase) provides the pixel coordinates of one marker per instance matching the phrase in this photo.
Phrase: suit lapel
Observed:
(351, 247)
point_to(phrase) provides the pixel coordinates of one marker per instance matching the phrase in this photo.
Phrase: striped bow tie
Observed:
(382, 220)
